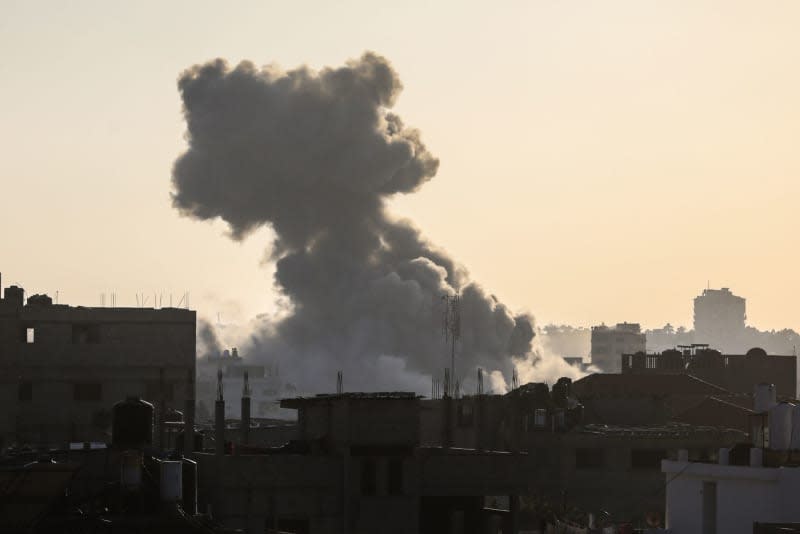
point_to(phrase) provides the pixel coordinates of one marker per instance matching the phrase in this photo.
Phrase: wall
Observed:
(744, 495)
(114, 352)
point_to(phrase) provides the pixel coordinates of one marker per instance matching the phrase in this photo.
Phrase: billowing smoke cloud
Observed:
(315, 156)
(207, 338)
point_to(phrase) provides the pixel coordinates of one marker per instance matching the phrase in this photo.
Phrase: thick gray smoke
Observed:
(208, 344)
(315, 156)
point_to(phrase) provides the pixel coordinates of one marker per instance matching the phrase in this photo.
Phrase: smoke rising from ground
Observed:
(315, 156)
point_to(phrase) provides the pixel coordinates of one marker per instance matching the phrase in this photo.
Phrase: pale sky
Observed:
(600, 161)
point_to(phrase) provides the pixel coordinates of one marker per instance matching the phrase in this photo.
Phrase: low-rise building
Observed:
(737, 373)
(357, 466)
(749, 488)
(63, 367)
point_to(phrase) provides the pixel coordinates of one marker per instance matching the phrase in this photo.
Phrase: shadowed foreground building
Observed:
(738, 373)
(63, 367)
(599, 466)
(357, 466)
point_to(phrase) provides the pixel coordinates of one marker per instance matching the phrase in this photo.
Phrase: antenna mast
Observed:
(451, 326)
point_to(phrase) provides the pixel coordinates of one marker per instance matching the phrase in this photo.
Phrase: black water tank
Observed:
(133, 424)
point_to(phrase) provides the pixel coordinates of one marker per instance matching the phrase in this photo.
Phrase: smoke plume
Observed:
(315, 155)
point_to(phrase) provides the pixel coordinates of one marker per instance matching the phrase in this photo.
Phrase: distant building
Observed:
(63, 367)
(266, 386)
(608, 344)
(719, 318)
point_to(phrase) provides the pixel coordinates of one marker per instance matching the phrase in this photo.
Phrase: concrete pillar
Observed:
(188, 427)
(188, 414)
(245, 426)
(219, 427)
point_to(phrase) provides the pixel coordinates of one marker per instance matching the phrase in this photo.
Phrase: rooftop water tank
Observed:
(780, 426)
(794, 443)
(171, 483)
(764, 397)
(132, 426)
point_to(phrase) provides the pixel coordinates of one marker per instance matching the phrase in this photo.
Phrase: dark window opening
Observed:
(647, 458)
(589, 458)
(368, 477)
(395, 476)
(85, 333)
(25, 392)
(88, 392)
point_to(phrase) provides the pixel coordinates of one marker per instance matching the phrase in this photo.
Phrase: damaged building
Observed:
(62, 367)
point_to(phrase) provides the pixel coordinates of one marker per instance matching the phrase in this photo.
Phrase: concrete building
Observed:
(738, 373)
(719, 319)
(748, 489)
(608, 344)
(595, 467)
(357, 466)
(63, 367)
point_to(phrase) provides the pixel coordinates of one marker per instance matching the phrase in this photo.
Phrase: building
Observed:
(629, 399)
(719, 318)
(749, 488)
(738, 373)
(595, 467)
(63, 367)
(608, 344)
(357, 466)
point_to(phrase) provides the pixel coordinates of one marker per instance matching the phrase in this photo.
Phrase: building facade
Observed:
(63, 367)
(719, 319)
(737, 373)
(357, 466)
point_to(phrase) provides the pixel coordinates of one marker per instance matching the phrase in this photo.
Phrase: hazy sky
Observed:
(600, 161)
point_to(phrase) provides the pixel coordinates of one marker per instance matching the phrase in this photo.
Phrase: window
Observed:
(588, 458)
(395, 476)
(85, 333)
(25, 392)
(27, 334)
(540, 417)
(647, 458)
(368, 477)
(88, 391)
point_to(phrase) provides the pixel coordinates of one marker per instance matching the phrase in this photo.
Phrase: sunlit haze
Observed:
(599, 162)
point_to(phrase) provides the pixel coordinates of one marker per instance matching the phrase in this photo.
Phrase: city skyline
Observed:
(600, 182)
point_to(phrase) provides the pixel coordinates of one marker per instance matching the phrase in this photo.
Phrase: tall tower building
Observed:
(719, 318)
